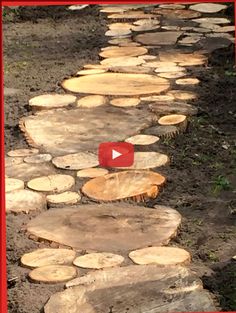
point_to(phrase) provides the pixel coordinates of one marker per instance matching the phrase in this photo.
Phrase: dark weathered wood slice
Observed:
(160, 38)
(173, 108)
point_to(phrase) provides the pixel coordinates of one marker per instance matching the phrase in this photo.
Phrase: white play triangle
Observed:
(115, 154)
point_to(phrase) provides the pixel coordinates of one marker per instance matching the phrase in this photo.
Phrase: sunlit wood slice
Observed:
(160, 255)
(112, 9)
(38, 158)
(183, 95)
(159, 64)
(76, 161)
(167, 69)
(125, 102)
(165, 132)
(187, 81)
(123, 42)
(184, 59)
(212, 20)
(178, 120)
(22, 152)
(172, 75)
(122, 61)
(115, 228)
(144, 22)
(172, 6)
(170, 27)
(51, 274)
(118, 32)
(91, 72)
(92, 172)
(173, 108)
(131, 69)
(52, 183)
(142, 139)
(117, 83)
(148, 57)
(144, 27)
(213, 27)
(77, 7)
(98, 260)
(91, 101)
(158, 98)
(123, 185)
(44, 257)
(177, 13)
(9, 161)
(19, 201)
(120, 26)
(65, 198)
(115, 52)
(160, 38)
(51, 101)
(96, 66)
(132, 15)
(12, 184)
(208, 7)
(225, 29)
(189, 40)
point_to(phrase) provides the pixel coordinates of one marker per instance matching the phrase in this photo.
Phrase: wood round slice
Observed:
(9, 161)
(117, 83)
(92, 172)
(160, 255)
(67, 197)
(51, 274)
(46, 102)
(187, 81)
(95, 66)
(162, 38)
(91, 71)
(183, 95)
(118, 32)
(122, 61)
(115, 228)
(147, 160)
(171, 68)
(76, 161)
(148, 57)
(183, 59)
(77, 7)
(91, 101)
(131, 69)
(226, 29)
(173, 108)
(142, 139)
(120, 26)
(125, 102)
(172, 75)
(208, 7)
(171, 6)
(132, 15)
(178, 120)
(166, 132)
(163, 98)
(38, 158)
(146, 21)
(19, 201)
(13, 184)
(116, 52)
(22, 152)
(213, 27)
(212, 20)
(177, 13)
(144, 27)
(137, 185)
(189, 40)
(52, 183)
(98, 260)
(44, 257)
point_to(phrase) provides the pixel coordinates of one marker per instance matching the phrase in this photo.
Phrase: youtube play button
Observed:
(116, 154)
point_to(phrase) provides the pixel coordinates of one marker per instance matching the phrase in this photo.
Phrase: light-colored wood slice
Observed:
(76, 161)
(225, 29)
(52, 274)
(123, 42)
(92, 172)
(125, 102)
(160, 255)
(148, 57)
(143, 22)
(120, 26)
(137, 185)
(187, 81)
(183, 59)
(9, 161)
(171, 75)
(159, 64)
(208, 7)
(92, 101)
(112, 9)
(117, 83)
(131, 69)
(52, 183)
(183, 95)
(98, 260)
(106, 227)
(22, 152)
(212, 27)
(172, 6)
(19, 201)
(122, 8)
(189, 40)
(177, 13)
(38, 158)
(165, 132)
(144, 27)
(44, 257)
(65, 198)
(132, 15)
(178, 120)
(12, 184)
(201, 30)
(51, 101)
(116, 52)
(170, 27)
(91, 71)
(212, 20)
(160, 38)
(170, 68)
(163, 98)
(142, 139)
(77, 7)
(118, 32)
(173, 108)
(95, 66)
(122, 61)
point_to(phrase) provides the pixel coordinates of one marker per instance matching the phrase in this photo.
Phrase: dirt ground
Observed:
(44, 45)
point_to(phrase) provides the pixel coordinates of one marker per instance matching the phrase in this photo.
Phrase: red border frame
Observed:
(3, 279)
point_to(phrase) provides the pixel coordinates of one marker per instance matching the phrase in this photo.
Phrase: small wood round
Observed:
(51, 101)
(166, 66)
(122, 61)
(92, 172)
(115, 52)
(117, 32)
(44, 257)
(65, 198)
(51, 274)
(171, 6)
(182, 95)
(38, 158)
(142, 139)
(91, 71)
(125, 102)
(161, 256)
(95, 66)
(12, 184)
(187, 81)
(212, 20)
(208, 7)
(172, 75)
(183, 59)
(22, 152)
(120, 26)
(132, 15)
(91, 101)
(146, 21)
(98, 260)
(226, 29)
(52, 183)
(177, 120)
(166, 132)
(158, 98)
(76, 161)
(173, 68)
(9, 161)
(145, 27)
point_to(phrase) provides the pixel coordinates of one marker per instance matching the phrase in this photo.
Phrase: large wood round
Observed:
(76, 161)
(98, 260)
(51, 274)
(114, 52)
(117, 84)
(106, 227)
(123, 185)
